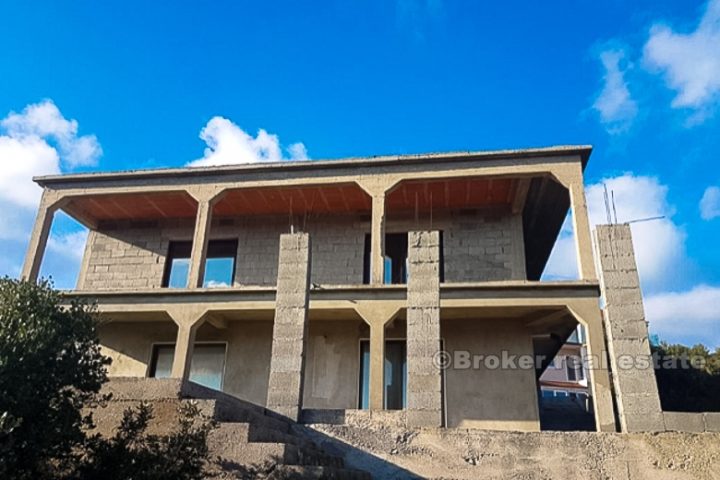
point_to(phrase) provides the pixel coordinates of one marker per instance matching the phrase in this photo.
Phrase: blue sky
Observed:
(120, 85)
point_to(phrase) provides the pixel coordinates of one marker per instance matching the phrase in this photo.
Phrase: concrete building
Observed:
(328, 286)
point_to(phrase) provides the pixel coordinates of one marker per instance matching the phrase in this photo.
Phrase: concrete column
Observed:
(377, 366)
(203, 220)
(636, 392)
(377, 315)
(424, 379)
(581, 227)
(587, 312)
(39, 237)
(289, 344)
(377, 240)
(187, 321)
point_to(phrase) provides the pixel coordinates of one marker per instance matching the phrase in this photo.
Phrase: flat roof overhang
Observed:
(272, 170)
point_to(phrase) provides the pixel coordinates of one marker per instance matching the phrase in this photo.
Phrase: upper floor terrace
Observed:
(499, 212)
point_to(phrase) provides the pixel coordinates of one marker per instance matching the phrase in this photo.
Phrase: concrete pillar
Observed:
(581, 227)
(636, 392)
(287, 363)
(377, 366)
(188, 320)
(377, 315)
(39, 237)
(377, 240)
(424, 379)
(203, 220)
(587, 312)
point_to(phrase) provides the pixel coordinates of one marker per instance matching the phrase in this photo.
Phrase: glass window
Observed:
(162, 360)
(574, 369)
(207, 366)
(364, 374)
(395, 374)
(219, 264)
(395, 261)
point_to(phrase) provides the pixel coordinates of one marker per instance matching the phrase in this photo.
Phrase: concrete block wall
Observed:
(424, 378)
(636, 392)
(290, 328)
(478, 246)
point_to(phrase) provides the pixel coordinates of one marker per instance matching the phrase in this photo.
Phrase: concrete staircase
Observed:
(249, 441)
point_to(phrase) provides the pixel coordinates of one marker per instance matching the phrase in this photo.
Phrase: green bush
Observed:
(51, 368)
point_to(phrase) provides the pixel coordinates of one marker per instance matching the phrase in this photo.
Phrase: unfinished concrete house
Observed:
(317, 286)
(404, 290)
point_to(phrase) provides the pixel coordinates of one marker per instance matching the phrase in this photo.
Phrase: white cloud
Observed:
(710, 203)
(43, 121)
(691, 316)
(228, 144)
(659, 244)
(38, 141)
(690, 62)
(71, 245)
(614, 103)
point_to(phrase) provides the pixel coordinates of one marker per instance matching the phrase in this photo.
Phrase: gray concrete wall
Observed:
(247, 361)
(636, 392)
(488, 398)
(332, 366)
(478, 246)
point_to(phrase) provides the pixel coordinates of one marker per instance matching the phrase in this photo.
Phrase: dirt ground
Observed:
(391, 451)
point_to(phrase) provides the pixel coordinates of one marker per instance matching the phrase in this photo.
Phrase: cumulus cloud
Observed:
(229, 144)
(70, 244)
(710, 203)
(659, 244)
(690, 316)
(37, 141)
(689, 62)
(614, 104)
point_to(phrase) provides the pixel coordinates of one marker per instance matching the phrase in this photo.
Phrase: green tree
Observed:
(51, 370)
(693, 389)
(50, 367)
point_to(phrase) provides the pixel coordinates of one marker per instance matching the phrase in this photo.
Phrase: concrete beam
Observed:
(377, 241)
(377, 315)
(203, 220)
(188, 320)
(587, 312)
(49, 204)
(289, 344)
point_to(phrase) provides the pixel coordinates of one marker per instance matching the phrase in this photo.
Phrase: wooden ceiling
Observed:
(453, 193)
(317, 199)
(132, 206)
(339, 198)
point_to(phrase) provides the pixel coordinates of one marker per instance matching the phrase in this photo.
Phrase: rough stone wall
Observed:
(478, 246)
(290, 328)
(626, 330)
(424, 381)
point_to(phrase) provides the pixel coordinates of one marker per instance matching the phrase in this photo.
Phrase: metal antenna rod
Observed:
(612, 192)
(607, 204)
